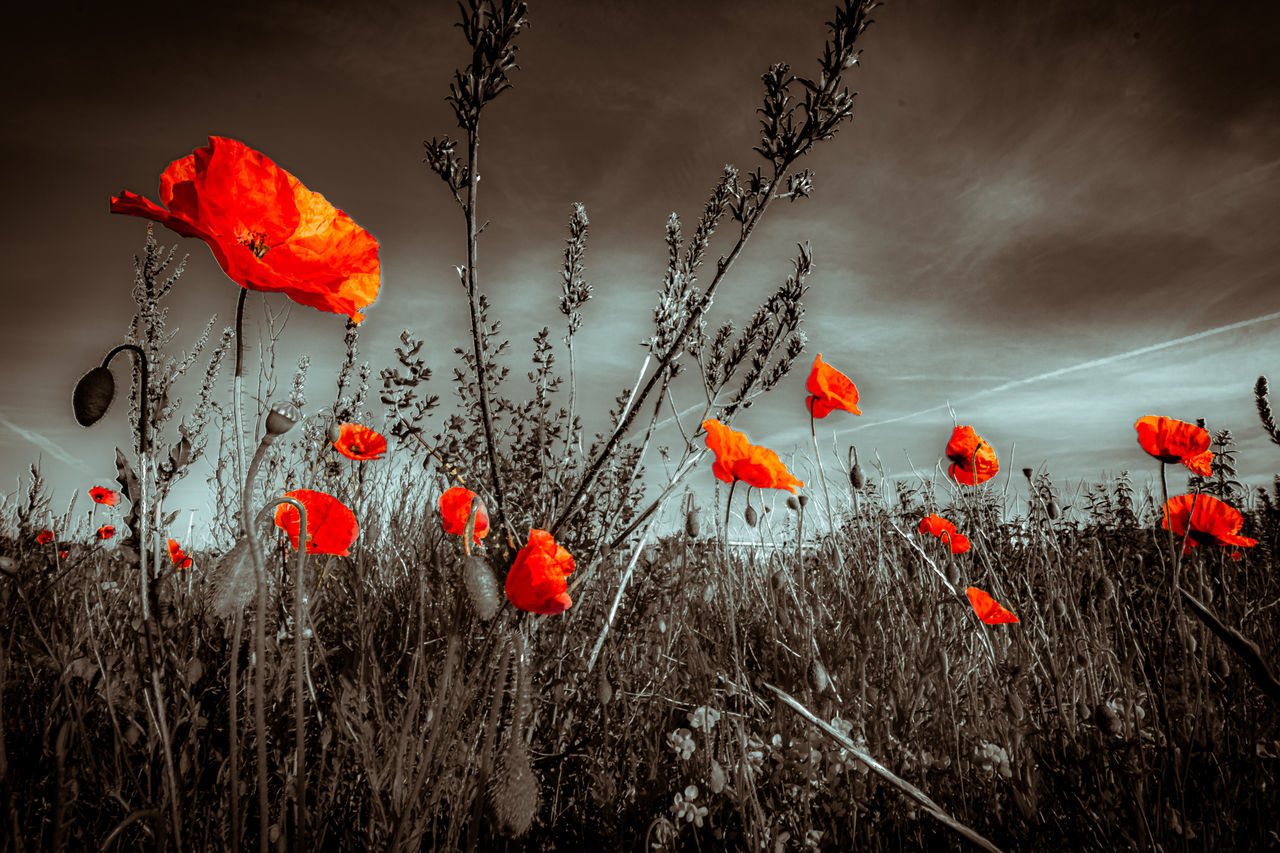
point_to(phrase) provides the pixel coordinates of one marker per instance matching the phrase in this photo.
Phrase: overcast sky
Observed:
(1027, 188)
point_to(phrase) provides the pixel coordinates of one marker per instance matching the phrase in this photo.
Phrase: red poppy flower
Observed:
(936, 525)
(62, 555)
(105, 496)
(1212, 522)
(359, 442)
(267, 230)
(1237, 555)
(829, 390)
(455, 510)
(973, 460)
(763, 469)
(728, 445)
(536, 581)
(106, 531)
(987, 608)
(44, 537)
(331, 526)
(1171, 440)
(176, 556)
(739, 459)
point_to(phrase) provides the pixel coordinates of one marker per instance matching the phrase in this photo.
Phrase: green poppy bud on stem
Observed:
(793, 504)
(750, 515)
(856, 478)
(691, 522)
(481, 586)
(1053, 509)
(335, 433)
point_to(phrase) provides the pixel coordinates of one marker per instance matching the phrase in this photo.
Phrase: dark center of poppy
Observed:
(254, 241)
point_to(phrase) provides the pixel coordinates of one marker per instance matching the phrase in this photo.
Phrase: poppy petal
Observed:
(988, 610)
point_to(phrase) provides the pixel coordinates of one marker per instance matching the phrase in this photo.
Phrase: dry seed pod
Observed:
(514, 793)
(481, 586)
(281, 418)
(803, 501)
(750, 515)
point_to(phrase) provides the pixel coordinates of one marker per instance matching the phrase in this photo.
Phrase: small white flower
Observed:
(704, 718)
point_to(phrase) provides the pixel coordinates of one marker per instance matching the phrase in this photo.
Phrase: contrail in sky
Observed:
(43, 443)
(1084, 365)
(1052, 374)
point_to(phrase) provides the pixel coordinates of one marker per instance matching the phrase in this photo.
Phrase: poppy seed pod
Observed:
(750, 515)
(793, 504)
(1026, 472)
(93, 395)
(280, 419)
(856, 478)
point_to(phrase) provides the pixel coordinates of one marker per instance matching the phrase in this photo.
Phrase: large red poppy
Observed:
(104, 496)
(45, 537)
(179, 559)
(936, 525)
(987, 608)
(1211, 522)
(331, 525)
(1171, 440)
(738, 459)
(829, 390)
(728, 445)
(973, 460)
(359, 442)
(455, 511)
(536, 581)
(267, 230)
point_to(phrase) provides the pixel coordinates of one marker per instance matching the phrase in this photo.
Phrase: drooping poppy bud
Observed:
(750, 515)
(856, 477)
(93, 395)
(481, 585)
(1054, 510)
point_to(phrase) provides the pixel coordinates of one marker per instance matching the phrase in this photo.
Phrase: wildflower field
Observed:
(419, 628)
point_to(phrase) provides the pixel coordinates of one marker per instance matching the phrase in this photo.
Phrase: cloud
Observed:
(46, 444)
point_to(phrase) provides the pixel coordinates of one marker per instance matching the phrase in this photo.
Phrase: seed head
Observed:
(281, 418)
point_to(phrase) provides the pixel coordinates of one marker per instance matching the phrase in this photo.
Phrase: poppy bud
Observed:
(804, 499)
(691, 522)
(1107, 720)
(793, 504)
(856, 478)
(604, 690)
(481, 586)
(750, 515)
(335, 433)
(778, 582)
(93, 395)
(1054, 510)
(818, 678)
(280, 419)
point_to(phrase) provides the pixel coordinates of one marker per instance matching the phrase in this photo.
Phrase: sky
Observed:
(1050, 218)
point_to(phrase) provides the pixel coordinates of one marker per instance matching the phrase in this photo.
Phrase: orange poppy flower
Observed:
(738, 459)
(331, 526)
(105, 496)
(536, 582)
(176, 556)
(1171, 440)
(829, 390)
(973, 460)
(45, 536)
(359, 442)
(267, 230)
(455, 510)
(106, 531)
(728, 445)
(1212, 522)
(987, 608)
(936, 525)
